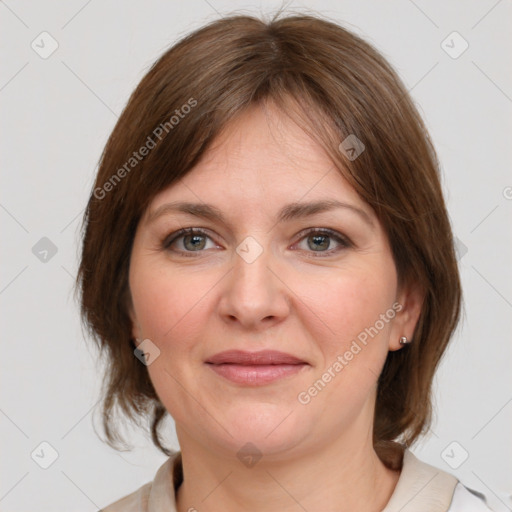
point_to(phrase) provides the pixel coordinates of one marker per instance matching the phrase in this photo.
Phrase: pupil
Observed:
(318, 239)
(195, 239)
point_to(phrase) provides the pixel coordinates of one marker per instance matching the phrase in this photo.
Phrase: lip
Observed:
(255, 368)
(263, 357)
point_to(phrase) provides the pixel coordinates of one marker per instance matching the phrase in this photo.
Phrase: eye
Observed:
(320, 240)
(188, 240)
(195, 240)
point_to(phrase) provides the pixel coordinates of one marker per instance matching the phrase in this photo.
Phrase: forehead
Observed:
(262, 158)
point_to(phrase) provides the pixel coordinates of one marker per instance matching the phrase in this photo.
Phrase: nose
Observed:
(254, 294)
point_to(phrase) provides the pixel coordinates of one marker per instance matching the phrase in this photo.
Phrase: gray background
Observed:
(57, 113)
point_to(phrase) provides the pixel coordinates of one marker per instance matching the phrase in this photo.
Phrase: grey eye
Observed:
(319, 242)
(194, 242)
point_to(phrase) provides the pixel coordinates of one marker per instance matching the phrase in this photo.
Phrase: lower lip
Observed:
(256, 375)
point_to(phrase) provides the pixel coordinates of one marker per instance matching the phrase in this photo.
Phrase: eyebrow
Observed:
(289, 212)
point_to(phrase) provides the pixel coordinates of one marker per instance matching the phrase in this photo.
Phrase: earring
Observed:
(404, 341)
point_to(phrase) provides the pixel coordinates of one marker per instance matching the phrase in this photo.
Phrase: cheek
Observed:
(348, 302)
(170, 307)
(352, 338)
(356, 312)
(169, 304)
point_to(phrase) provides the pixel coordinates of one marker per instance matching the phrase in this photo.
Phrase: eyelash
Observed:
(342, 240)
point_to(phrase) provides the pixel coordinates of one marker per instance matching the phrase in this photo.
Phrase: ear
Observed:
(408, 307)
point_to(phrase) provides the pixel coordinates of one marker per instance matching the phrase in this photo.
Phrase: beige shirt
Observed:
(420, 488)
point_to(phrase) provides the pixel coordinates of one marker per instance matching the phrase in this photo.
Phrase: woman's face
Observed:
(265, 270)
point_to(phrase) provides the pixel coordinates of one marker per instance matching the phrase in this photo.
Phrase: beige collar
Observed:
(420, 488)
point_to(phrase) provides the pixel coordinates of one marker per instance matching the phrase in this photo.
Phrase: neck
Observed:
(342, 476)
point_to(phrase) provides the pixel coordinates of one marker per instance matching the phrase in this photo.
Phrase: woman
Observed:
(267, 257)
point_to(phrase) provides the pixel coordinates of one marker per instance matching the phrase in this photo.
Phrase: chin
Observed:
(271, 429)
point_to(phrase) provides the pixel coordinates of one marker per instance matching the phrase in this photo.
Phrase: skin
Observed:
(306, 302)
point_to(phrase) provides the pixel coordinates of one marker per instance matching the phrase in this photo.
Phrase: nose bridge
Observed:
(253, 292)
(251, 266)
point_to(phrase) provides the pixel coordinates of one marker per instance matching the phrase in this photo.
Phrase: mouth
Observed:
(255, 368)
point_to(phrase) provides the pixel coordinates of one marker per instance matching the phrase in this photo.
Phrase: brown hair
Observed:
(336, 85)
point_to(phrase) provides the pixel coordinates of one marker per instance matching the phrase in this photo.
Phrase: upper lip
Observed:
(263, 357)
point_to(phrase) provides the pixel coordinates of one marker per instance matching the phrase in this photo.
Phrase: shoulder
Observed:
(467, 500)
(425, 487)
(137, 501)
(158, 494)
